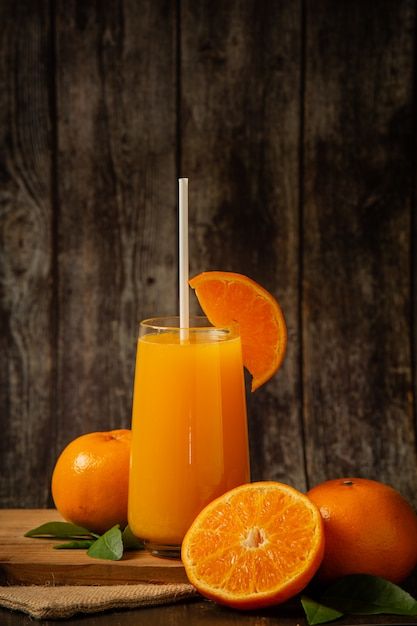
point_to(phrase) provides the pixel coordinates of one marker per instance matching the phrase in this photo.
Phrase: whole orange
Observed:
(90, 480)
(369, 529)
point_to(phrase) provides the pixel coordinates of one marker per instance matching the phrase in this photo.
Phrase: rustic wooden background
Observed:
(295, 121)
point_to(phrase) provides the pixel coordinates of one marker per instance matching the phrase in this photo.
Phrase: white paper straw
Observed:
(183, 258)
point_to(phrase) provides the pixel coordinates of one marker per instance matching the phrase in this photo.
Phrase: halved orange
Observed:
(227, 297)
(255, 546)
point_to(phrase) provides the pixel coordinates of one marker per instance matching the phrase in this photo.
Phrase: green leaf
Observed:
(81, 544)
(108, 546)
(130, 541)
(61, 530)
(368, 595)
(317, 613)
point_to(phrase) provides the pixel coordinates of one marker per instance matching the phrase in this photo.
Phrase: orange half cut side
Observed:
(257, 545)
(227, 297)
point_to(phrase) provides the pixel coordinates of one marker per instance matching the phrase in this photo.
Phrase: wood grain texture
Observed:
(117, 200)
(356, 242)
(30, 561)
(199, 613)
(26, 337)
(240, 107)
(295, 123)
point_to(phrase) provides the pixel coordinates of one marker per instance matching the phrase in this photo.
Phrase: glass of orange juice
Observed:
(189, 427)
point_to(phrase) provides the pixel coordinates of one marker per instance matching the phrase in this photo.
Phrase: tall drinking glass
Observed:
(189, 427)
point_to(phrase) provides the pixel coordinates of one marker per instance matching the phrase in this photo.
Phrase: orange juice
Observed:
(189, 430)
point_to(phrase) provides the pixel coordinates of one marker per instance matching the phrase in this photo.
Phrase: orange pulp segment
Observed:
(227, 297)
(257, 545)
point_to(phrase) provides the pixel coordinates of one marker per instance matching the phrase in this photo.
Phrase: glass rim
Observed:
(172, 323)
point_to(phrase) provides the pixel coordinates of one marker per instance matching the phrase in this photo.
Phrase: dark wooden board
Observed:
(27, 315)
(240, 115)
(117, 200)
(295, 122)
(29, 561)
(199, 613)
(356, 242)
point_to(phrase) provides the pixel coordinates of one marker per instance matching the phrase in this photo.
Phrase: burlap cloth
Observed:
(64, 601)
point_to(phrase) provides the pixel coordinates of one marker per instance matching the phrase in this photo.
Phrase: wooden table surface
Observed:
(198, 613)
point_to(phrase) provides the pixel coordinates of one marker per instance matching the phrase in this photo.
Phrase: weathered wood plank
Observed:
(26, 337)
(113, 260)
(356, 245)
(240, 109)
(117, 246)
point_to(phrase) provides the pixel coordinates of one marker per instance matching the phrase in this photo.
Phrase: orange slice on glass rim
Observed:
(227, 297)
(255, 546)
